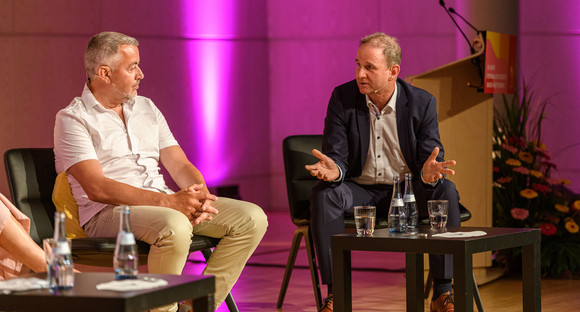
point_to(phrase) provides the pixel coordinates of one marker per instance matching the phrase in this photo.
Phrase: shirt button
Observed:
(378, 138)
(380, 174)
(378, 156)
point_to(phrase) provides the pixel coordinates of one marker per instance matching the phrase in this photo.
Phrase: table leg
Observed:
(415, 277)
(463, 281)
(203, 303)
(341, 279)
(531, 278)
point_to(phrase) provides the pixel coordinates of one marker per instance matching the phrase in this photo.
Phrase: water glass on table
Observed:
(364, 217)
(438, 213)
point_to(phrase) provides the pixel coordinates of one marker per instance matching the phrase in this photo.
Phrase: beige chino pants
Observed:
(240, 224)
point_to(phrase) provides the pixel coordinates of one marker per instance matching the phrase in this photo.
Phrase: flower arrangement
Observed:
(524, 194)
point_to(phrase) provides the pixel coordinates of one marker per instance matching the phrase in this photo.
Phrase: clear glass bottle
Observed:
(60, 266)
(410, 203)
(125, 261)
(397, 218)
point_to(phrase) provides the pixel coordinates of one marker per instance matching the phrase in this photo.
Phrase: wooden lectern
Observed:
(466, 126)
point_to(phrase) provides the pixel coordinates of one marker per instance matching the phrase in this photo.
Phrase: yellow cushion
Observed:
(63, 199)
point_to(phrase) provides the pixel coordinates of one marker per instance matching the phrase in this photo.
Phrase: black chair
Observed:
(31, 176)
(297, 152)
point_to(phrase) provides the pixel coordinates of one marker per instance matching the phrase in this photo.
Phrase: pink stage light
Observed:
(207, 28)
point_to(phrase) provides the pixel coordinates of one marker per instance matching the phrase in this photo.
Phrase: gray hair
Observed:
(389, 44)
(103, 49)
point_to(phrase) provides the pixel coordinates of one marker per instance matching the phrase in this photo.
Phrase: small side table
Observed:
(84, 296)
(462, 250)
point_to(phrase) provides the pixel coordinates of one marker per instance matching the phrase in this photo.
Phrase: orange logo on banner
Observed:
(500, 63)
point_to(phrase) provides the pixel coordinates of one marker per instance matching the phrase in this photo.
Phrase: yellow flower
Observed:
(571, 226)
(526, 157)
(565, 181)
(536, 173)
(528, 193)
(562, 208)
(540, 145)
(513, 162)
(576, 205)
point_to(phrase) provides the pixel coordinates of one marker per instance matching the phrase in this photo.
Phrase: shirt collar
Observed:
(90, 101)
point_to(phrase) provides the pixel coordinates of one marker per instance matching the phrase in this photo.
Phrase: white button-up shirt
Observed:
(384, 157)
(128, 152)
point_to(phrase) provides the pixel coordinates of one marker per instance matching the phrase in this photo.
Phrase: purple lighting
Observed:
(207, 26)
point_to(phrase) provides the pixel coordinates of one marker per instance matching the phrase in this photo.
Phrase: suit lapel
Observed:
(364, 127)
(403, 124)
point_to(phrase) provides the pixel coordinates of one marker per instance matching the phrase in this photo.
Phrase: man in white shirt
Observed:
(378, 127)
(110, 142)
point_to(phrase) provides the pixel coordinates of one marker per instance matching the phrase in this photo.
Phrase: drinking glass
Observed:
(438, 213)
(364, 217)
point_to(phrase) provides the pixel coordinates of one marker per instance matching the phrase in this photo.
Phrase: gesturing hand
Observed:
(325, 169)
(434, 170)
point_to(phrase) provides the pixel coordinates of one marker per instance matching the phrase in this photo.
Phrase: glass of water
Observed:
(364, 217)
(438, 213)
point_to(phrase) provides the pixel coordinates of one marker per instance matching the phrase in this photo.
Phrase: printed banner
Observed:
(500, 63)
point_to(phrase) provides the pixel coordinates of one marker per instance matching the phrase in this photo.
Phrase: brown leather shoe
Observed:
(444, 303)
(327, 304)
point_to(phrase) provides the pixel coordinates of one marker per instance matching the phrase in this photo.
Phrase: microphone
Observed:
(477, 44)
(442, 3)
(379, 89)
(468, 23)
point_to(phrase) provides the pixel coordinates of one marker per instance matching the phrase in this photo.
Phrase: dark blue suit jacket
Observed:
(347, 127)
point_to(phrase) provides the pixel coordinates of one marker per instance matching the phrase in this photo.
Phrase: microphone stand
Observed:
(477, 45)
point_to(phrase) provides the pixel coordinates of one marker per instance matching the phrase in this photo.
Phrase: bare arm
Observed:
(182, 171)
(16, 241)
(102, 189)
(187, 176)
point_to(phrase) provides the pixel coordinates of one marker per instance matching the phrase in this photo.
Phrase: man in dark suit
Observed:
(377, 127)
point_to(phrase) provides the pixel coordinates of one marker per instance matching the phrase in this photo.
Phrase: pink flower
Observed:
(541, 188)
(548, 164)
(522, 170)
(519, 213)
(548, 229)
(509, 148)
(551, 219)
(542, 152)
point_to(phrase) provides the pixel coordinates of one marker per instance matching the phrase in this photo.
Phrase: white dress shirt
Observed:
(128, 152)
(384, 157)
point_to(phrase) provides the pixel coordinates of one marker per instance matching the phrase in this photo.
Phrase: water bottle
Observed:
(125, 261)
(410, 203)
(397, 218)
(60, 266)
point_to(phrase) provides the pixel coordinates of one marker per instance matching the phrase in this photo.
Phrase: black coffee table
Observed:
(462, 250)
(85, 296)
